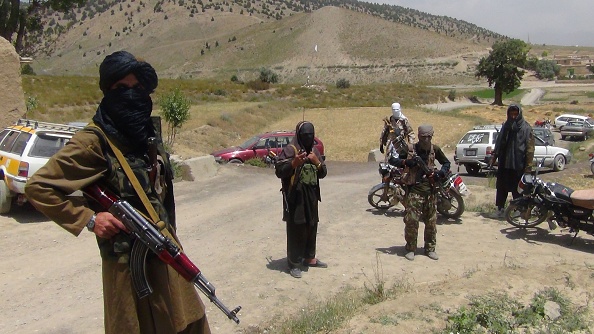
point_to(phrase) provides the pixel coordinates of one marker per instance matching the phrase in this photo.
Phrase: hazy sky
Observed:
(554, 22)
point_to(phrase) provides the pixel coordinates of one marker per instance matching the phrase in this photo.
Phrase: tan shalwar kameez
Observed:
(174, 306)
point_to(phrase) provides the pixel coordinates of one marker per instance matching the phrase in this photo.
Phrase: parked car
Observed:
(577, 129)
(474, 150)
(545, 134)
(24, 148)
(563, 119)
(259, 146)
(555, 157)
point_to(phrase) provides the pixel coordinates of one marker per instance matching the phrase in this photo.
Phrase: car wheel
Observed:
(5, 199)
(559, 163)
(472, 169)
(235, 161)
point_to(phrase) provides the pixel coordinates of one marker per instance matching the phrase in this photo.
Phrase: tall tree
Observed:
(502, 67)
(19, 17)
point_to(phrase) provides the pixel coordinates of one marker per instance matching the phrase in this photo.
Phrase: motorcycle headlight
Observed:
(526, 183)
(384, 169)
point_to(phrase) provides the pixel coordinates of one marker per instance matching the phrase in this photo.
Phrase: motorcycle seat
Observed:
(583, 198)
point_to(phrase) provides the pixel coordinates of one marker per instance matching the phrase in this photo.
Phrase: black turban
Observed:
(121, 63)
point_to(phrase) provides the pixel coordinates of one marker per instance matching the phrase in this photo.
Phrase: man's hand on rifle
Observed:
(438, 174)
(410, 163)
(106, 225)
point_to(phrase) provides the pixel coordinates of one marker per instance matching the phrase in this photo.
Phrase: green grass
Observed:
(499, 313)
(54, 94)
(490, 93)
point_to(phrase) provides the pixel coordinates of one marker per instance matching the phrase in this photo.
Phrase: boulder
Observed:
(11, 89)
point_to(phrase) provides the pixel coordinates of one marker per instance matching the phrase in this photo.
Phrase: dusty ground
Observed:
(230, 226)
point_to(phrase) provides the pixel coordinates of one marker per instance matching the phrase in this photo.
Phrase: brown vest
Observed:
(412, 176)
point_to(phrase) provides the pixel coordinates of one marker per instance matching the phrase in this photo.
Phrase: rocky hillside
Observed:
(323, 40)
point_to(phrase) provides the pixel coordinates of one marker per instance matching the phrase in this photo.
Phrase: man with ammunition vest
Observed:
(395, 125)
(122, 124)
(419, 175)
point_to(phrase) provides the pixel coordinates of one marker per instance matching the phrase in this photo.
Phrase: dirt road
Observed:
(230, 226)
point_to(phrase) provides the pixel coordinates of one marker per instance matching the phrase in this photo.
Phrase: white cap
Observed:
(396, 110)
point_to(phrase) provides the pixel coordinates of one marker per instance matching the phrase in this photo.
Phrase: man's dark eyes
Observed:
(124, 86)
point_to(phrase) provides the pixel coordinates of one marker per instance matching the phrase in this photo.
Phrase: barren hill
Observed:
(351, 44)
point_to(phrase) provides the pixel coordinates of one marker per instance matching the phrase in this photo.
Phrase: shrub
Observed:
(258, 85)
(342, 83)
(268, 76)
(27, 70)
(175, 108)
(452, 95)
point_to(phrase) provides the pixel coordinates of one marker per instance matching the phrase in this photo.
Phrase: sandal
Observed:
(317, 264)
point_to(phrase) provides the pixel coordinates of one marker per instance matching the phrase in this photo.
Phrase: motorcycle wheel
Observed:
(384, 198)
(456, 209)
(524, 216)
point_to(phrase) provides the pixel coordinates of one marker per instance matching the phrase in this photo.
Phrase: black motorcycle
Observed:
(551, 201)
(391, 191)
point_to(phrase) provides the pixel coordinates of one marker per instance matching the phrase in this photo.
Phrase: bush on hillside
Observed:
(258, 85)
(343, 83)
(268, 76)
(452, 95)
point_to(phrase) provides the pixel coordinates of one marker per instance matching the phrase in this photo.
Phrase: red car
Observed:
(258, 146)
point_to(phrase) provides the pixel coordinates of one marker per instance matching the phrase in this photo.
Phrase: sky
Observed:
(551, 22)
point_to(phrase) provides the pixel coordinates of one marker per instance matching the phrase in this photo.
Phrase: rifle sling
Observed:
(154, 219)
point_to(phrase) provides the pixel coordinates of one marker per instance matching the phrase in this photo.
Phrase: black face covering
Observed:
(305, 136)
(125, 114)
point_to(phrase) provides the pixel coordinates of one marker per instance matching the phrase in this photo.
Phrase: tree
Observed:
(501, 67)
(175, 108)
(547, 69)
(20, 17)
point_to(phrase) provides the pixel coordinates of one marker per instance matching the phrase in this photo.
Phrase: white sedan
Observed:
(555, 157)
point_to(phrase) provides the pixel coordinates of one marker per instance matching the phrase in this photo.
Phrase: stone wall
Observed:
(12, 98)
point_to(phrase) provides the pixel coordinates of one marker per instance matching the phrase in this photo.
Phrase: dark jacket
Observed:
(300, 201)
(515, 145)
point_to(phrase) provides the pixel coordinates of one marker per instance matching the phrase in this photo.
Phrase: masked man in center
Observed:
(300, 168)
(421, 193)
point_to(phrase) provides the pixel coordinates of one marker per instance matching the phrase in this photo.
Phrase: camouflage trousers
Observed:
(420, 208)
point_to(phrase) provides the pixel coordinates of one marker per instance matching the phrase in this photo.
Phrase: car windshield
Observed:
(248, 143)
(578, 124)
(46, 146)
(475, 138)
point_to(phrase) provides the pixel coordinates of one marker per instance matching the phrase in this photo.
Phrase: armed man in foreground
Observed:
(122, 124)
(420, 176)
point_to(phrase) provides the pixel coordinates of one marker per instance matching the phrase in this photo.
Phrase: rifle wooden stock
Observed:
(149, 237)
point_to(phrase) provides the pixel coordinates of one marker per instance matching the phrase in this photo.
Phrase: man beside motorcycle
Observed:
(515, 151)
(420, 176)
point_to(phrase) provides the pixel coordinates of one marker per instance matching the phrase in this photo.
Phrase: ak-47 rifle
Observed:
(428, 172)
(149, 237)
